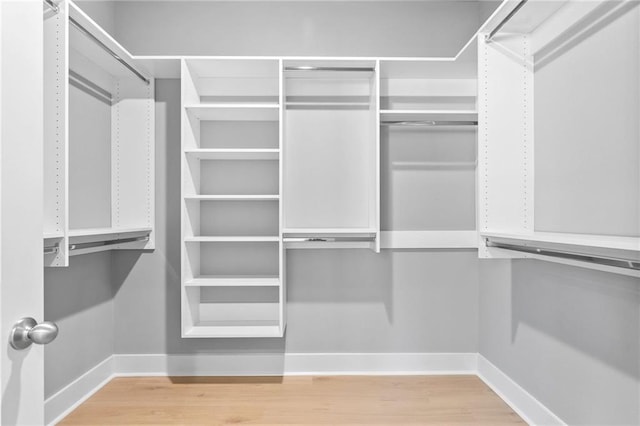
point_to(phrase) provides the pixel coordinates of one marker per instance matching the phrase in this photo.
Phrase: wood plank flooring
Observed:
(309, 400)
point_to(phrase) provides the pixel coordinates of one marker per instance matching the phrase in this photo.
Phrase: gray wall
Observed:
(103, 12)
(307, 28)
(569, 336)
(339, 301)
(80, 300)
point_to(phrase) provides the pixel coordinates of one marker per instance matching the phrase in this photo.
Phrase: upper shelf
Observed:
(530, 15)
(235, 112)
(551, 25)
(429, 115)
(89, 39)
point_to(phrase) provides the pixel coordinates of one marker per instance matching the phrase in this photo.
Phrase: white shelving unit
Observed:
(99, 142)
(331, 152)
(428, 122)
(570, 191)
(233, 282)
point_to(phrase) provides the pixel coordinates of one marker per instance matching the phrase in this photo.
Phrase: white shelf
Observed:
(363, 105)
(91, 232)
(53, 235)
(329, 231)
(235, 112)
(428, 115)
(606, 242)
(233, 281)
(235, 329)
(232, 197)
(234, 154)
(234, 239)
(435, 165)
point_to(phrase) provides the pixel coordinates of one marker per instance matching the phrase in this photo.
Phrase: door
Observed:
(21, 263)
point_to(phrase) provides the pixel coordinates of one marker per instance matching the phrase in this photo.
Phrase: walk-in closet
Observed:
(320, 212)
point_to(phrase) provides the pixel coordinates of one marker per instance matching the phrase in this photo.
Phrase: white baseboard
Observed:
(63, 402)
(522, 402)
(74, 394)
(296, 364)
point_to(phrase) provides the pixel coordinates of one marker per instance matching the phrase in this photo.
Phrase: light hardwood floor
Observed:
(342, 400)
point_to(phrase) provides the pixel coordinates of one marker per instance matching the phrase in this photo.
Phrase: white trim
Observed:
(67, 399)
(522, 402)
(296, 364)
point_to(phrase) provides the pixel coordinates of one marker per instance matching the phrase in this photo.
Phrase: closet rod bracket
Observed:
(52, 5)
(106, 48)
(506, 19)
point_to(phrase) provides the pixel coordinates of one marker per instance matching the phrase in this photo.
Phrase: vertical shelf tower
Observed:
(233, 282)
(99, 141)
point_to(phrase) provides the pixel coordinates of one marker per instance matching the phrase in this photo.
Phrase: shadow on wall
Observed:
(595, 312)
(86, 283)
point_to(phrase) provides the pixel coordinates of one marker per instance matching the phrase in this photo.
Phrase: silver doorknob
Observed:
(28, 331)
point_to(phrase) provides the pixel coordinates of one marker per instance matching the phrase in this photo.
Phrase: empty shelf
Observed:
(428, 115)
(235, 112)
(234, 154)
(250, 328)
(233, 281)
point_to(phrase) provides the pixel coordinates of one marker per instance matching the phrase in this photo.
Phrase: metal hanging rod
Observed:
(52, 6)
(87, 84)
(80, 246)
(328, 239)
(96, 40)
(428, 123)
(309, 68)
(52, 249)
(507, 18)
(600, 260)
